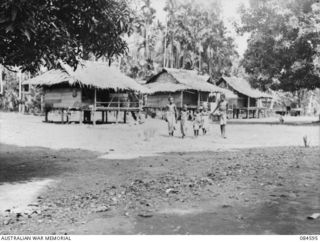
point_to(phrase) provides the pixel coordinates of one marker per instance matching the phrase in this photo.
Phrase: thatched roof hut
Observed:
(242, 86)
(248, 99)
(91, 74)
(185, 86)
(172, 80)
(92, 87)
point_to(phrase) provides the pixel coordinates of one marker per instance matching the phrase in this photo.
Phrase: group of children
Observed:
(200, 120)
(199, 117)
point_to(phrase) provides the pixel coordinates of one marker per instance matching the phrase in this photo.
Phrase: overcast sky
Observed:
(229, 14)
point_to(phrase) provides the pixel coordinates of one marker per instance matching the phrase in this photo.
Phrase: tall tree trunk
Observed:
(178, 60)
(172, 57)
(165, 45)
(200, 61)
(210, 70)
(183, 60)
(146, 41)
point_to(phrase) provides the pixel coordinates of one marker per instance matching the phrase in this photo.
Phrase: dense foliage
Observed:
(284, 47)
(9, 100)
(42, 32)
(196, 39)
(192, 37)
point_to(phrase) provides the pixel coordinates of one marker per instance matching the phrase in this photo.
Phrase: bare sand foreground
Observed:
(129, 140)
(261, 180)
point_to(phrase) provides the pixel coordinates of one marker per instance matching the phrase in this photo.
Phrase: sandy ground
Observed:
(129, 140)
(293, 120)
(248, 191)
(150, 183)
(16, 197)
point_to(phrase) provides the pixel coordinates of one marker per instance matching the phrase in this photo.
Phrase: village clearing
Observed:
(135, 179)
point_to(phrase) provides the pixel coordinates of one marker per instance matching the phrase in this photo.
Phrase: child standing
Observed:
(196, 122)
(204, 120)
(223, 108)
(183, 120)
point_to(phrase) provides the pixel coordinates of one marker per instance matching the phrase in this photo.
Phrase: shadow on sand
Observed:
(22, 164)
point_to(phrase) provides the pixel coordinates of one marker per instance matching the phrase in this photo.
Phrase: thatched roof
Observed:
(99, 75)
(173, 80)
(242, 86)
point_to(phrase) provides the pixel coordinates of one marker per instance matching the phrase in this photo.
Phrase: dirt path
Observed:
(248, 191)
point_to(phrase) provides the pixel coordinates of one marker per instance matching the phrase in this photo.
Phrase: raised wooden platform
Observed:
(89, 114)
(255, 111)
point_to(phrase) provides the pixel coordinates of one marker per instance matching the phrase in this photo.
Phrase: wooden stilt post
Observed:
(20, 90)
(117, 112)
(81, 117)
(181, 99)
(94, 106)
(146, 112)
(62, 115)
(125, 116)
(198, 99)
(46, 116)
(41, 101)
(248, 106)
(106, 117)
(67, 116)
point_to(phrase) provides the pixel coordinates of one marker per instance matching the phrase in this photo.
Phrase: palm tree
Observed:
(171, 8)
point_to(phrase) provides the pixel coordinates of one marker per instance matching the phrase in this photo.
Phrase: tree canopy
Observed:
(193, 36)
(197, 39)
(43, 32)
(284, 47)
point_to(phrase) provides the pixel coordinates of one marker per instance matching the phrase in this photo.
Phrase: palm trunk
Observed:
(146, 41)
(200, 62)
(172, 57)
(165, 44)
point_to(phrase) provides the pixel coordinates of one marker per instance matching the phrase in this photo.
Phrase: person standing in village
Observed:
(196, 122)
(171, 116)
(184, 114)
(204, 120)
(222, 112)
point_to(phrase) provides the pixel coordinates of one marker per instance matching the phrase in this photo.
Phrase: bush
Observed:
(9, 100)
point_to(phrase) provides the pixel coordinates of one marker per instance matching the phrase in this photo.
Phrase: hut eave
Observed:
(98, 75)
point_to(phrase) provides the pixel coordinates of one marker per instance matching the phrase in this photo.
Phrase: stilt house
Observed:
(93, 88)
(185, 86)
(248, 100)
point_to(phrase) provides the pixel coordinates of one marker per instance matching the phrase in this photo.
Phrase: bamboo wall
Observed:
(68, 97)
(190, 98)
(160, 100)
(62, 97)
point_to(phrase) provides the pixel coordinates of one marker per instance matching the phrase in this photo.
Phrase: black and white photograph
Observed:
(159, 117)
